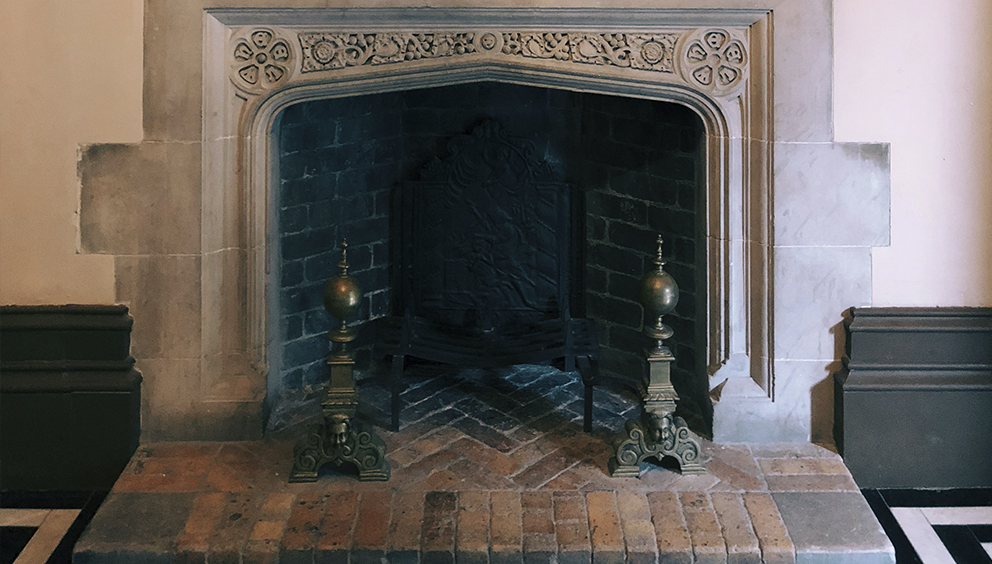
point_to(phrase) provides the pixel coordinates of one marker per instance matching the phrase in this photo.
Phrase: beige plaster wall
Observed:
(916, 74)
(72, 75)
(913, 74)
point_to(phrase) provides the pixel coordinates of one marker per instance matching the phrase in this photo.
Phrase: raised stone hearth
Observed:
(493, 468)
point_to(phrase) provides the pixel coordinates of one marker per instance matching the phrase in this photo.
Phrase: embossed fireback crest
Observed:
(474, 158)
(490, 225)
(261, 60)
(325, 51)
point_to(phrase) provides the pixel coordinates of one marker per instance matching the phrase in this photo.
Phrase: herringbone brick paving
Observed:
(488, 467)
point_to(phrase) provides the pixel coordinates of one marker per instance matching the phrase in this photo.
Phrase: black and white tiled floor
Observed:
(42, 527)
(925, 526)
(936, 526)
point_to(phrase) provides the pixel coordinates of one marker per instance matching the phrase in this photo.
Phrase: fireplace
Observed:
(783, 244)
(706, 70)
(635, 164)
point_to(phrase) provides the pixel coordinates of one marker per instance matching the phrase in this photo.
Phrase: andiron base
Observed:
(656, 437)
(339, 441)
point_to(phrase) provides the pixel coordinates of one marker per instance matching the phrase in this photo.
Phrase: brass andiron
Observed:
(660, 432)
(341, 437)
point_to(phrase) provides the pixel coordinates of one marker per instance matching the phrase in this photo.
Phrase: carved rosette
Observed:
(327, 50)
(714, 60)
(261, 61)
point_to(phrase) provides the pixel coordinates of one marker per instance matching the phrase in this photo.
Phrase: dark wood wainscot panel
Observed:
(69, 397)
(914, 404)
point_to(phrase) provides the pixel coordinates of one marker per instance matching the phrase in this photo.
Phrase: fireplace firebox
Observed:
(635, 169)
(488, 264)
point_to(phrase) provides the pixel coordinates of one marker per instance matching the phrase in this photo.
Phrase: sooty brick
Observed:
(617, 207)
(293, 327)
(292, 274)
(301, 245)
(616, 259)
(304, 350)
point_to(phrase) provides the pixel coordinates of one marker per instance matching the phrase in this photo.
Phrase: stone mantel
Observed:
(759, 77)
(295, 44)
(650, 54)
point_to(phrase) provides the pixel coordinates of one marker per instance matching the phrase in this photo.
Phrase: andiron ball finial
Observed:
(342, 295)
(659, 296)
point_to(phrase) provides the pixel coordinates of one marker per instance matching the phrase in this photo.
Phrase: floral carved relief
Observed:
(714, 60)
(324, 51)
(261, 61)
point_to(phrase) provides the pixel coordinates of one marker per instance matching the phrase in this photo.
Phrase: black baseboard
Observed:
(912, 405)
(69, 397)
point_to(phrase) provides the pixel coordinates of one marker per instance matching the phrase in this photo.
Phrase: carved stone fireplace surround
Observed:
(790, 216)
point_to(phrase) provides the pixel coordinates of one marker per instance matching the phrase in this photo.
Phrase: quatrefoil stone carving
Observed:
(261, 61)
(714, 60)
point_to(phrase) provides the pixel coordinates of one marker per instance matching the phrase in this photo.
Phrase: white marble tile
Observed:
(22, 517)
(921, 535)
(803, 74)
(46, 539)
(814, 286)
(958, 515)
(831, 194)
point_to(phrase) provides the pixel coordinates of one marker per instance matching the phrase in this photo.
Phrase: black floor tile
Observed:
(12, 542)
(964, 497)
(982, 532)
(962, 544)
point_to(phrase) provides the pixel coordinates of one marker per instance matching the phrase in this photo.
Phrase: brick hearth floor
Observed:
(490, 467)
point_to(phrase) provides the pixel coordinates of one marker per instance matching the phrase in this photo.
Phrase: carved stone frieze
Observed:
(261, 60)
(714, 60)
(325, 50)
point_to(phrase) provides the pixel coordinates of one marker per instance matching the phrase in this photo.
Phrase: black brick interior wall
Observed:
(643, 162)
(637, 161)
(339, 158)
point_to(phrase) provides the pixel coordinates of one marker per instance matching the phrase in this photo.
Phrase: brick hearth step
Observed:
(229, 502)
(486, 471)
